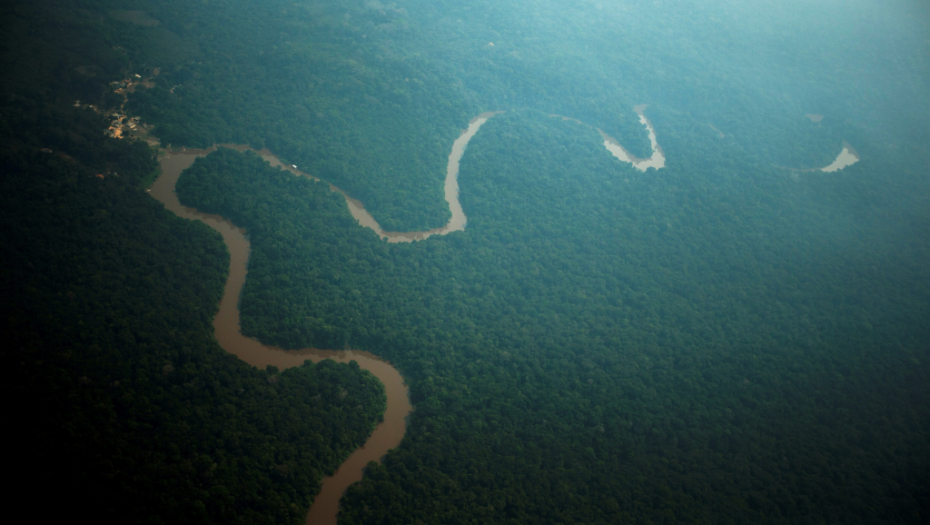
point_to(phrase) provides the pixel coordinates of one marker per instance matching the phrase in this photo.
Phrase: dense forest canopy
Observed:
(723, 340)
(122, 404)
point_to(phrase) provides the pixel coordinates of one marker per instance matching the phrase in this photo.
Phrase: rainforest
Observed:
(680, 275)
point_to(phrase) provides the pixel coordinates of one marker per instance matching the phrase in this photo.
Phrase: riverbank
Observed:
(227, 327)
(389, 432)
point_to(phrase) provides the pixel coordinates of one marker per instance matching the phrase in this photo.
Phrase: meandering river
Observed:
(226, 325)
(657, 160)
(390, 432)
(386, 436)
(847, 157)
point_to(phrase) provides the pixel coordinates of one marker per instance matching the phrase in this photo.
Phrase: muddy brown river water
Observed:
(386, 436)
(226, 325)
(390, 432)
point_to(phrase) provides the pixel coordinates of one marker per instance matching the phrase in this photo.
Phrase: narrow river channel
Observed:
(226, 325)
(386, 436)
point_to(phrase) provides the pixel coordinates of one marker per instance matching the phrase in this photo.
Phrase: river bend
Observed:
(390, 432)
